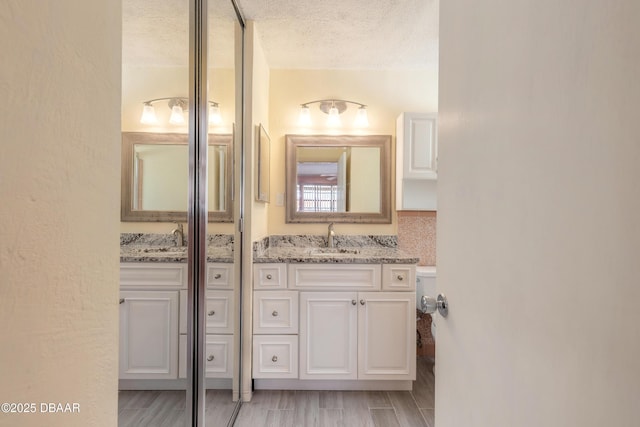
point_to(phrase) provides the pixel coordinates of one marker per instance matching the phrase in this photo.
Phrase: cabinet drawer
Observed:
(275, 356)
(275, 312)
(218, 356)
(219, 312)
(269, 276)
(334, 277)
(219, 276)
(218, 309)
(398, 277)
(153, 274)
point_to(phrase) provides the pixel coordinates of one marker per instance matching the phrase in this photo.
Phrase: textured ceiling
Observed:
(309, 34)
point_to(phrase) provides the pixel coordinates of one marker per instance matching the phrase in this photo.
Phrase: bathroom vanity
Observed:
(153, 317)
(334, 318)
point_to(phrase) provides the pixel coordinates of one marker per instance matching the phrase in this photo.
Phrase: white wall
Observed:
(59, 169)
(538, 226)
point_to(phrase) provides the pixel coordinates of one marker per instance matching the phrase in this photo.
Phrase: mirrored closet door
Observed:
(156, 279)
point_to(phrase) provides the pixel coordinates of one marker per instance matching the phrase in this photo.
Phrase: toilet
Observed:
(426, 285)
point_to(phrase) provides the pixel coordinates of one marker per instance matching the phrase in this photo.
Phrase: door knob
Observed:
(429, 305)
(217, 276)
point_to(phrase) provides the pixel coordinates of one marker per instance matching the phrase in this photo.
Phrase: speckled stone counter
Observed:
(347, 250)
(149, 247)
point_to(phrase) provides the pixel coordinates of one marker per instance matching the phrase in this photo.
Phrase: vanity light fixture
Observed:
(178, 106)
(333, 107)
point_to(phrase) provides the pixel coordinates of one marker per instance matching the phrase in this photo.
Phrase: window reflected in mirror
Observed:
(338, 178)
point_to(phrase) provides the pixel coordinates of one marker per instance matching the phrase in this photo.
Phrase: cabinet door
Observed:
(328, 334)
(387, 335)
(149, 334)
(419, 146)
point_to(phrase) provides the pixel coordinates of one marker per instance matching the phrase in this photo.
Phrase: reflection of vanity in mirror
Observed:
(155, 171)
(341, 178)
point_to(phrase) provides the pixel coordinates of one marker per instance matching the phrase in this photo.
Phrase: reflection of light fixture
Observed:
(178, 106)
(333, 107)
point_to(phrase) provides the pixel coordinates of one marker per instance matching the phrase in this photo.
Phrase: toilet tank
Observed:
(425, 283)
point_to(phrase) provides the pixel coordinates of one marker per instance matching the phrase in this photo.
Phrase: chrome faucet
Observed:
(330, 234)
(178, 233)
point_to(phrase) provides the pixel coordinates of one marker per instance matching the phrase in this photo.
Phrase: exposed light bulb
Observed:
(148, 115)
(214, 115)
(177, 117)
(304, 118)
(334, 117)
(362, 121)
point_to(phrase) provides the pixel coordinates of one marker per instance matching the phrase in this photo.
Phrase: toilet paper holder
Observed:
(429, 305)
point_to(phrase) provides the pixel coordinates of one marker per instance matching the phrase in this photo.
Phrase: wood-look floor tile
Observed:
(251, 416)
(378, 399)
(219, 407)
(424, 385)
(272, 399)
(130, 417)
(356, 409)
(384, 417)
(136, 399)
(331, 400)
(429, 416)
(331, 418)
(307, 408)
(279, 418)
(407, 411)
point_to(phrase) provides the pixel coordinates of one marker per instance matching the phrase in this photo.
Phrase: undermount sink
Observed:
(333, 251)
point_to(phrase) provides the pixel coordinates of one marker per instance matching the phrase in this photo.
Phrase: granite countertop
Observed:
(138, 247)
(148, 247)
(347, 250)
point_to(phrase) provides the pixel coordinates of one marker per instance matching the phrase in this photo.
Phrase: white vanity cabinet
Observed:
(219, 324)
(416, 161)
(149, 316)
(275, 324)
(357, 335)
(356, 322)
(153, 322)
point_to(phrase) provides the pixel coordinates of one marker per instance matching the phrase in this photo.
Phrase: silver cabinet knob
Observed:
(275, 313)
(362, 302)
(353, 302)
(400, 277)
(217, 276)
(210, 358)
(211, 313)
(269, 277)
(121, 300)
(274, 359)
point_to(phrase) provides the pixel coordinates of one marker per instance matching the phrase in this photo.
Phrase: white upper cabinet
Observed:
(417, 145)
(416, 161)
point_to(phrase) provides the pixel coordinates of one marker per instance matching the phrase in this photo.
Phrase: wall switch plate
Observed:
(280, 199)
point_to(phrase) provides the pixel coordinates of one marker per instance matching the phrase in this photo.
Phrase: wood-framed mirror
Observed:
(338, 178)
(155, 171)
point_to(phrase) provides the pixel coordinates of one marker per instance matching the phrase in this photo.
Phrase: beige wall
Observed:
(387, 93)
(60, 79)
(259, 115)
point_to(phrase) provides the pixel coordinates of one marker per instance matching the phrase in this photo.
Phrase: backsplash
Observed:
(417, 235)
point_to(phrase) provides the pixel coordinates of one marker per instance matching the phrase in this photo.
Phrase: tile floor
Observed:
(413, 408)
